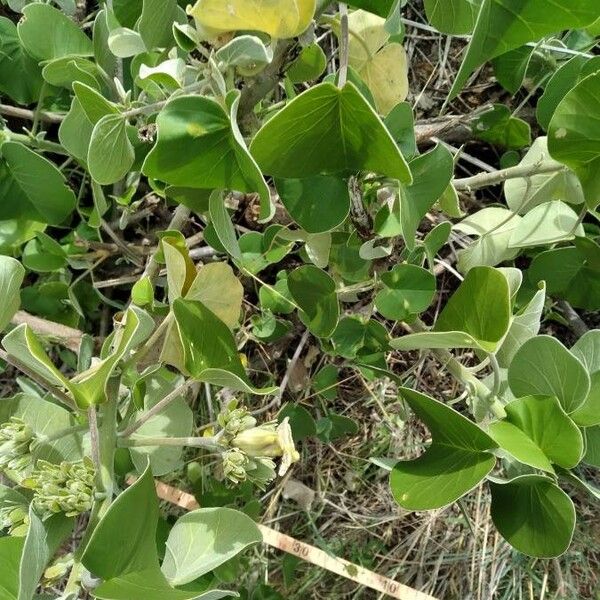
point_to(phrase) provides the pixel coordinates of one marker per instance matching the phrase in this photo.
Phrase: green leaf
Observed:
(89, 387)
(455, 17)
(538, 432)
(408, 290)
(524, 326)
(246, 53)
(377, 7)
(205, 538)
(22, 344)
(493, 227)
(42, 541)
(210, 352)
(44, 254)
(587, 350)
(110, 154)
(125, 539)
(75, 132)
(197, 127)
(11, 549)
(503, 25)
(533, 515)
(176, 420)
(574, 135)
(524, 193)
(221, 221)
(456, 461)
(318, 204)
(309, 65)
(477, 315)
(500, 128)
(543, 366)
(25, 88)
(151, 585)
(12, 274)
(155, 24)
(314, 292)
(37, 189)
(432, 173)
(571, 273)
(93, 103)
(547, 223)
(62, 72)
(562, 81)
(47, 33)
(592, 443)
(326, 130)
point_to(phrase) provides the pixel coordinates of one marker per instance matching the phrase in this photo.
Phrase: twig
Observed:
(30, 115)
(520, 171)
(190, 442)
(66, 336)
(574, 321)
(157, 408)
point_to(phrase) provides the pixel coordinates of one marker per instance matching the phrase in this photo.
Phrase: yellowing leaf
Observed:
(279, 18)
(384, 68)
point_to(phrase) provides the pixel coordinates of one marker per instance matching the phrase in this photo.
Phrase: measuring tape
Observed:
(306, 552)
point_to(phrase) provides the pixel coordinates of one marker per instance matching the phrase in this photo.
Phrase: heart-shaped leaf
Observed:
(209, 348)
(408, 291)
(314, 292)
(538, 432)
(533, 515)
(199, 146)
(543, 366)
(280, 18)
(477, 315)
(125, 539)
(456, 461)
(38, 190)
(326, 130)
(574, 135)
(205, 538)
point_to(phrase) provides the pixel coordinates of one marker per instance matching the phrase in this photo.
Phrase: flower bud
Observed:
(234, 420)
(66, 488)
(16, 438)
(234, 466)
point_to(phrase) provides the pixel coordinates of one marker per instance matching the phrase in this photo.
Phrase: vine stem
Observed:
(192, 442)
(463, 375)
(157, 408)
(520, 171)
(344, 45)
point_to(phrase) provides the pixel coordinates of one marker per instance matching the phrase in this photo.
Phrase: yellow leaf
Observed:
(279, 18)
(384, 68)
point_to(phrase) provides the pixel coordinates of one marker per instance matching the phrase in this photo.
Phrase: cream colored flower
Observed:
(269, 441)
(289, 453)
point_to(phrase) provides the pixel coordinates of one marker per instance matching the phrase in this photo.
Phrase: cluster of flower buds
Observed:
(15, 519)
(252, 448)
(66, 488)
(15, 443)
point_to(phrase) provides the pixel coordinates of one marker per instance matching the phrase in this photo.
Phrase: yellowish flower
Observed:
(269, 441)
